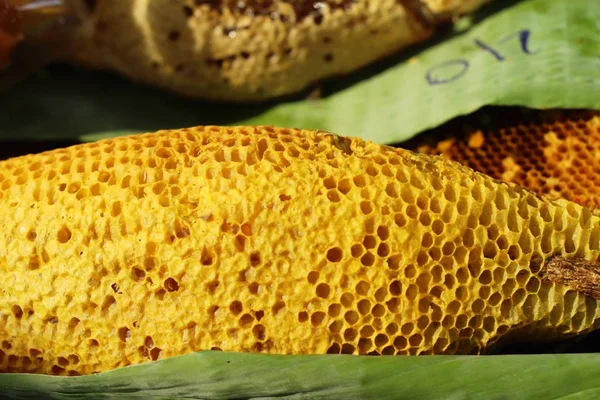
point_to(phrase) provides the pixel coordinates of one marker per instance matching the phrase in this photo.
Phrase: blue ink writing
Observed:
(487, 48)
(524, 36)
(448, 71)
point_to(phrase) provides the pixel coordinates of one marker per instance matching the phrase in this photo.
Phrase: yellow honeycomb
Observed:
(278, 241)
(553, 153)
(249, 50)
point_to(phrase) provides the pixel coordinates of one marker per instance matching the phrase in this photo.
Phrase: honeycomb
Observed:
(453, 7)
(243, 50)
(553, 153)
(145, 247)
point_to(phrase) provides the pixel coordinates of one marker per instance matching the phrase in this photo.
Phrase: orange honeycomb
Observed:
(554, 153)
(269, 240)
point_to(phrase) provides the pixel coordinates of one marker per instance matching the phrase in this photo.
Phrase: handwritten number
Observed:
(524, 36)
(447, 72)
(487, 48)
(451, 70)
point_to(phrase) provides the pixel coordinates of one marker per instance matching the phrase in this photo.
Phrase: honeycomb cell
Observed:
(171, 285)
(383, 250)
(236, 307)
(383, 232)
(336, 326)
(350, 334)
(369, 242)
(485, 278)
(347, 300)
(313, 277)
(391, 329)
(412, 212)
(347, 348)
(334, 349)
(359, 181)
(362, 288)
(335, 254)
(367, 331)
(124, 334)
(422, 259)
(425, 218)
(484, 292)
(427, 240)
(400, 343)
(368, 259)
(533, 285)
(378, 310)
(436, 291)
(423, 203)
(400, 220)
(412, 292)
(381, 294)
(254, 259)
(317, 318)
(393, 305)
(364, 306)
(437, 227)
(395, 288)
(423, 320)
(357, 250)
(323, 290)
(247, 320)
(495, 299)
(393, 262)
(462, 275)
(415, 340)
(351, 317)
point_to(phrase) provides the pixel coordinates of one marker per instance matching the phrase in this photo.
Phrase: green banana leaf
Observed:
(533, 53)
(217, 375)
